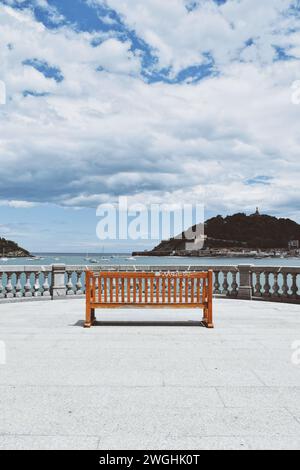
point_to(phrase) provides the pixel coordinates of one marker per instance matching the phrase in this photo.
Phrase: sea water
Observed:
(106, 259)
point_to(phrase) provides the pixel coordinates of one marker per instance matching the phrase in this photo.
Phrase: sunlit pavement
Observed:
(166, 385)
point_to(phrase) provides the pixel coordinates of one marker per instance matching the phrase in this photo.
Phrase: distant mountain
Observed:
(254, 231)
(10, 249)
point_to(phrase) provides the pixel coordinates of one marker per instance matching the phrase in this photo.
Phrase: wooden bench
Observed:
(149, 289)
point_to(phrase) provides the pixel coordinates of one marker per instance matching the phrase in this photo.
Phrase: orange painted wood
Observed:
(175, 291)
(163, 283)
(204, 293)
(151, 290)
(192, 289)
(157, 289)
(180, 290)
(123, 290)
(186, 298)
(105, 289)
(134, 290)
(140, 290)
(198, 283)
(93, 293)
(146, 289)
(169, 289)
(99, 288)
(111, 289)
(128, 289)
(117, 289)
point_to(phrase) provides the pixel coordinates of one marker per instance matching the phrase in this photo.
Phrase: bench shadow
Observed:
(144, 323)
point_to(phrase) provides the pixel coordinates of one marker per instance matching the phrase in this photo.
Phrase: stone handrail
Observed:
(24, 283)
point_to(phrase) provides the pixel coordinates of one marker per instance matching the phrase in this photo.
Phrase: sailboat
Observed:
(87, 258)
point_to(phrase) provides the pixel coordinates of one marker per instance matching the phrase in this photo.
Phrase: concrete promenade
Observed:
(171, 385)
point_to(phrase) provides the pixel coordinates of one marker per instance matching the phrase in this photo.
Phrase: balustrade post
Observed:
(245, 285)
(58, 284)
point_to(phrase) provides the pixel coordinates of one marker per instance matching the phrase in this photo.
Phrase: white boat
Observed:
(87, 258)
(93, 261)
(131, 258)
(4, 260)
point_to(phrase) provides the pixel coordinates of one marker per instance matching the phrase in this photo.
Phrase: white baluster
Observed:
(70, 287)
(234, 285)
(225, 283)
(19, 292)
(285, 287)
(79, 290)
(258, 286)
(267, 285)
(294, 287)
(9, 287)
(37, 287)
(27, 287)
(276, 285)
(217, 283)
(46, 287)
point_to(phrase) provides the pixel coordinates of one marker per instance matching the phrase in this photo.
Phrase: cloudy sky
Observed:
(157, 100)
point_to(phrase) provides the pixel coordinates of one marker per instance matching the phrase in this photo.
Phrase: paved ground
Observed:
(139, 386)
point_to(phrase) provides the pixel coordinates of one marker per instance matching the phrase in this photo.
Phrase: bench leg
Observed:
(207, 320)
(89, 317)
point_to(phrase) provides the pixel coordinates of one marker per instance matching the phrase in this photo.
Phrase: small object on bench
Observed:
(148, 289)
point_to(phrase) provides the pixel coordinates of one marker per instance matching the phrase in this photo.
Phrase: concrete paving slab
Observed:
(158, 380)
(259, 397)
(48, 443)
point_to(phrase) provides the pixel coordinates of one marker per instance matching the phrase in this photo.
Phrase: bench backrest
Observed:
(109, 288)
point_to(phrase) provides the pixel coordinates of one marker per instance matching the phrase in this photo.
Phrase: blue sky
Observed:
(157, 101)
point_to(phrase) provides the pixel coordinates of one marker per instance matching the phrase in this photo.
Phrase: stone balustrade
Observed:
(28, 283)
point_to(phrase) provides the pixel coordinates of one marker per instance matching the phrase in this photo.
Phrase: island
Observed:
(254, 235)
(10, 249)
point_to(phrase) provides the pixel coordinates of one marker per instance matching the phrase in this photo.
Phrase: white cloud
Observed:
(17, 204)
(115, 56)
(101, 134)
(180, 38)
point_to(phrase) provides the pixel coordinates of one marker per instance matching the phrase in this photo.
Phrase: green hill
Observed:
(254, 231)
(10, 249)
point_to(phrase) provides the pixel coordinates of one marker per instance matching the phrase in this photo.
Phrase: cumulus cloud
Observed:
(181, 37)
(103, 131)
